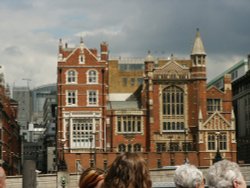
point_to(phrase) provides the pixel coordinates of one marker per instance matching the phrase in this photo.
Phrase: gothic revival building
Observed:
(161, 108)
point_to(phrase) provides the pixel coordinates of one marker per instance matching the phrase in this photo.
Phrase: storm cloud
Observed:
(30, 31)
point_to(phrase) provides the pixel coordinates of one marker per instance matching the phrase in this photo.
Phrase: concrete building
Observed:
(23, 96)
(34, 123)
(161, 108)
(241, 103)
(49, 119)
(39, 96)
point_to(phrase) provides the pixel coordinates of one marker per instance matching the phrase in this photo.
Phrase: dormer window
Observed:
(81, 59)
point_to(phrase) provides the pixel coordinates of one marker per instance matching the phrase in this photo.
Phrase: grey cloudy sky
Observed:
(30, 31)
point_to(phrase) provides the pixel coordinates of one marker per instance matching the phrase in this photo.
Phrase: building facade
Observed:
(10, 152)
(161, 108)
(241, 103)
(49, 119)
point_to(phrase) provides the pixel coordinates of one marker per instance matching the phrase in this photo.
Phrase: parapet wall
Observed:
(157, 175)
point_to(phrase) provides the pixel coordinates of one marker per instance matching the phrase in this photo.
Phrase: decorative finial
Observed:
(60, 42)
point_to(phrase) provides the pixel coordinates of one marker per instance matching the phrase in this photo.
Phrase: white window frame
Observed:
(71, 78)
(68, 96)
(211, 142)
(81, 59)
(81, 132)
(89, 103)
(129, 124)
(92, 79)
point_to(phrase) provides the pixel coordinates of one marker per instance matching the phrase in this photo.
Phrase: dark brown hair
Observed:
(129, 170)
(90, 177)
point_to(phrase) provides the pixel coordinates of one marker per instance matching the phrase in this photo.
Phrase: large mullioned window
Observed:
(82, 134)
(213, 141)
(129, 124)
(214, 105)
(173, 98)
(129, 148)
(173, 109)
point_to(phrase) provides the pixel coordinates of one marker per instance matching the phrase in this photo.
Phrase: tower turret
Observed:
(198, 57)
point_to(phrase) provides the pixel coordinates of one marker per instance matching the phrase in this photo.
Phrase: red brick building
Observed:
(10, 141)
(161, 108)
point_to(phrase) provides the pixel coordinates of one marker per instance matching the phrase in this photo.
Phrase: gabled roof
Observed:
(81, 47)
(215, 88)
(171, 66)
(216, 113)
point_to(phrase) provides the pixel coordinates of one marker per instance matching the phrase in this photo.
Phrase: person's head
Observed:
(188, 176)
(129, 170)
(2, 178)
(225, 174)
(91, 178)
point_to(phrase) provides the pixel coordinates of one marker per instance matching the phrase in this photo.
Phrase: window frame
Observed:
(81, 133)
(129, 124)
(73, 97)
(91, 97)
(92, 78)
(71, 78)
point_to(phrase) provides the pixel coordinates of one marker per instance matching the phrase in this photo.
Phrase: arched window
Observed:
(71, 76)
(173, 101)
(173, 109)
(92, 77)
(137, 148)
(122, 148)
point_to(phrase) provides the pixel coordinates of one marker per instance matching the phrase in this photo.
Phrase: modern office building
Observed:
(161, 108)
(23, 96)
(49, 119)
(34, 126)
(39, 96)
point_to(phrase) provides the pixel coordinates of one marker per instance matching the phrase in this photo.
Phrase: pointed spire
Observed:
(198, 48)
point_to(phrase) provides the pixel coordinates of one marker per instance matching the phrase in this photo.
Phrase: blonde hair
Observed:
(91, 177)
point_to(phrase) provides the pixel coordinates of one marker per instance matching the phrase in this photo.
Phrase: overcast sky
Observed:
(30, 31)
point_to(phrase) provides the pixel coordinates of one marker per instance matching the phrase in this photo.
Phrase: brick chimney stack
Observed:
(104, 51)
